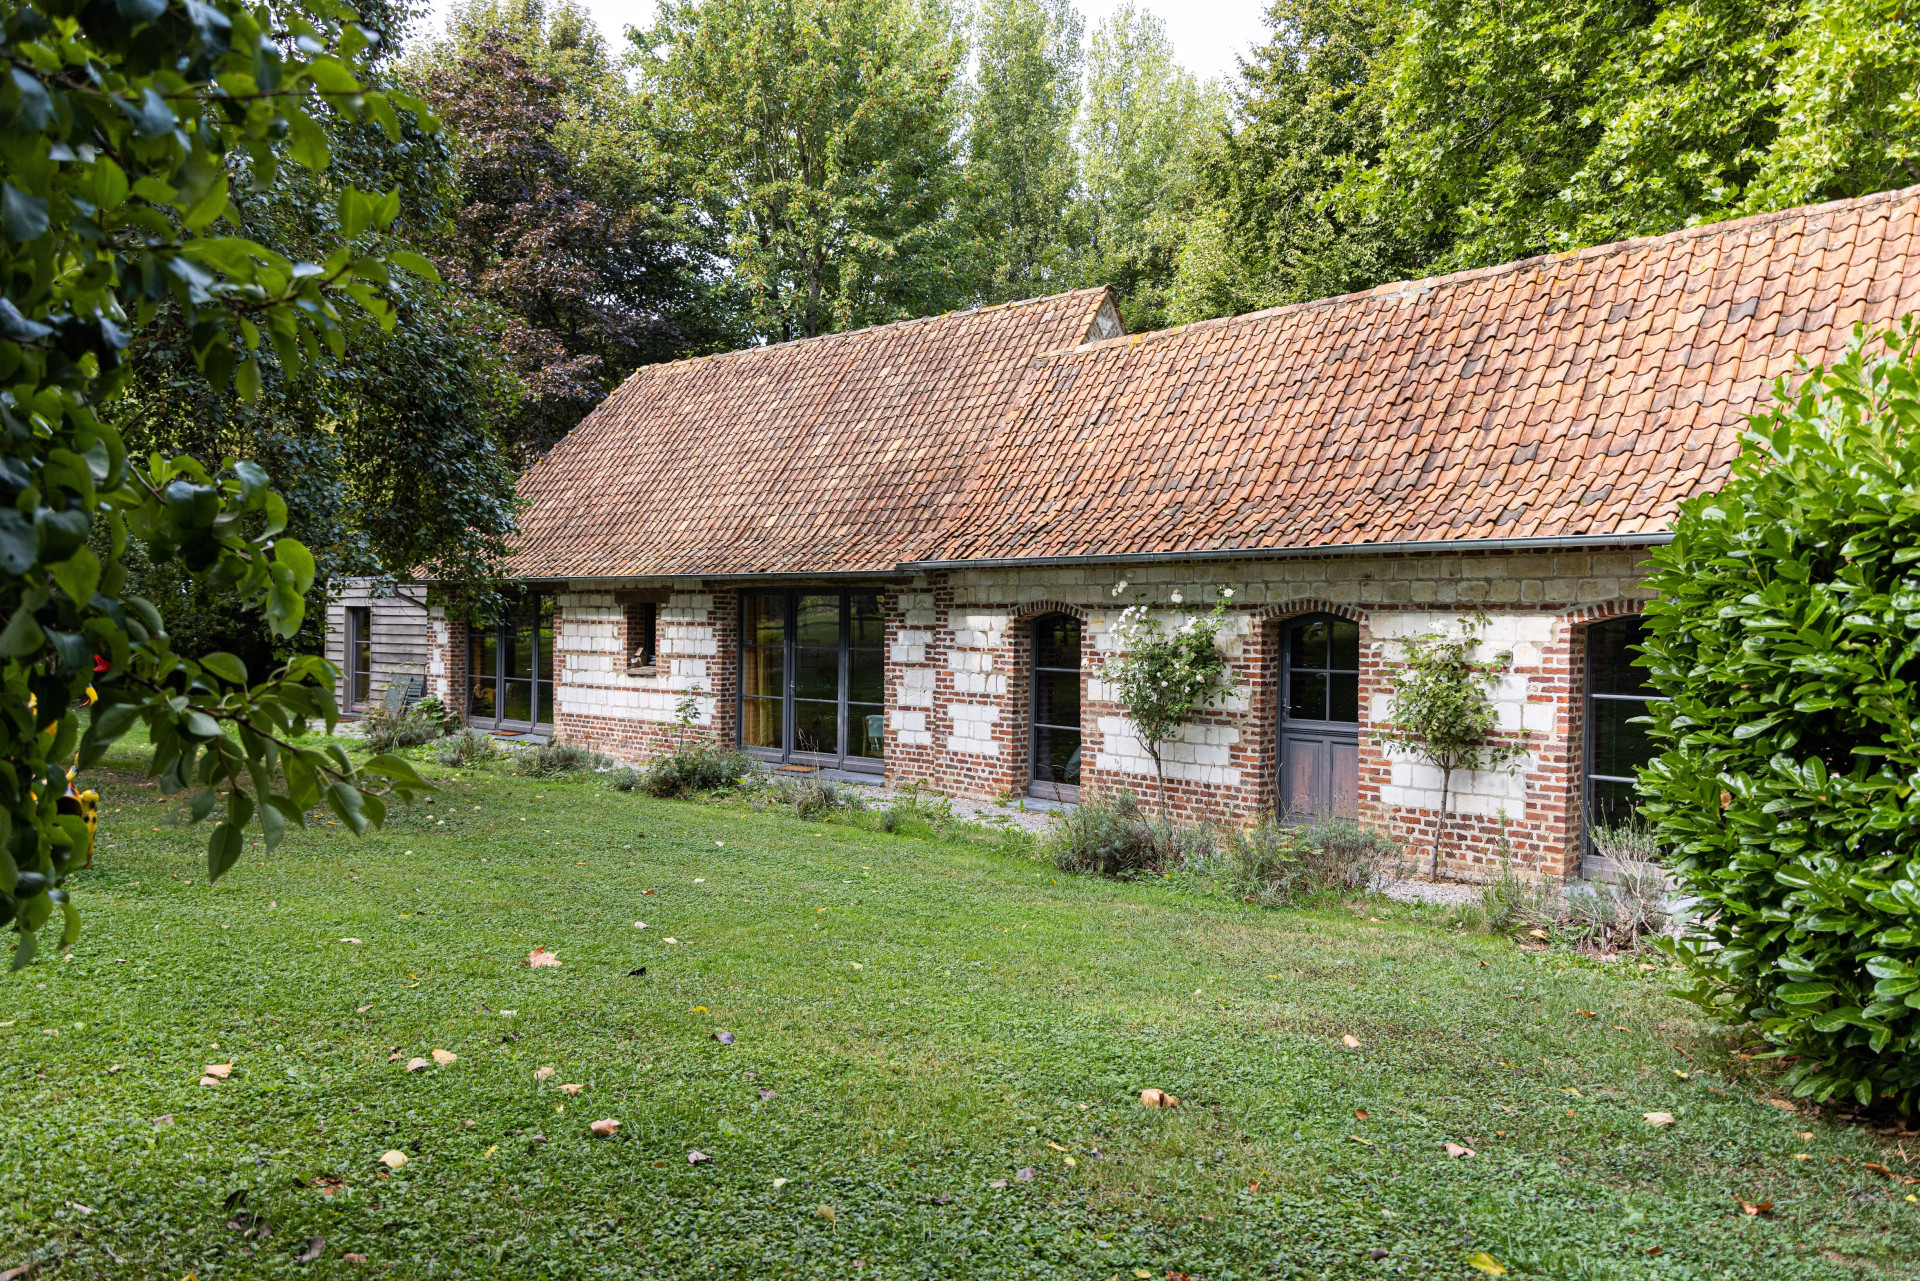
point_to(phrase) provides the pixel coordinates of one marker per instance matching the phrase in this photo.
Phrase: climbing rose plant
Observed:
(125, 124)
(1787, 635)
(1442, 710)
(1161, 678)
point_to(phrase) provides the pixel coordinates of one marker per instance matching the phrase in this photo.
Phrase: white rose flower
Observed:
(1177, 598)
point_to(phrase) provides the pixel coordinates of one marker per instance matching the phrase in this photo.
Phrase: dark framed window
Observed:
(643, 634)
(359, 658)
(510, 668)
(1054, 770)
(1617, 694)
(813, 678)
(1319, 730)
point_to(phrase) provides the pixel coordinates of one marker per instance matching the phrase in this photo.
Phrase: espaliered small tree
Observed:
(124, 122)
(1787, 635)
(1161, 678)
(1442, 712)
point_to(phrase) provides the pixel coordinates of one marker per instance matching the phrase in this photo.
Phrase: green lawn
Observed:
(915, 1020)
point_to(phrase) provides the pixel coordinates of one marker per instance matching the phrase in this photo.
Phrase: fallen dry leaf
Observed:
(353, 1258)
(1481, 1261)
(362, 1009)
(1351, 1041)
(725, 1038)
(779, 1183)
(393, 1158)
(1657, 1119)
(1360, 1114)
(1357, 1139)
(572, 1089)
(826, 1212)
(415, 1064)
(1589, 1014)
(696, 1157)
(209, 1080)
(1750, 1209)
(327, 1185)
(1877, 1168)
(1803, 1156)
(312, 1252)
(996, 1183)
(1151, 1098)
(1785, 1105)
(543, 1074)
(221, 1070)
(1024, 1174)
(1056, 1147)
(444, 1057)
(540, 958)
(1455, 1151)
(605, 1128)
(349, 940)
(162, 1121)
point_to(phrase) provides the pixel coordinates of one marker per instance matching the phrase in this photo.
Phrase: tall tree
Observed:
(128, 127)
(1022, 169)
(1143, 123)
(819, 138)
(390, 458)
(565, 223)
(1272, 228)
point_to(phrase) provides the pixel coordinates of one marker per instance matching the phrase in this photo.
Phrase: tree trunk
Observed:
(1160, 772)
(1440, 824)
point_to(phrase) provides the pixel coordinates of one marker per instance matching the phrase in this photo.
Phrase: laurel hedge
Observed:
(1787, 635)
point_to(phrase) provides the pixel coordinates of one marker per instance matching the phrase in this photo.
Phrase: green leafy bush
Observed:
(552, 759)
(694, 769)
(1787, 635)
(1109, 834)
(384, 732)
(1276, 865)
(468, 747)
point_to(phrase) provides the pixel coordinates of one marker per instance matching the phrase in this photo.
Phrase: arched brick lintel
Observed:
(1041, 608)
(1298, 608)
(1600, 613)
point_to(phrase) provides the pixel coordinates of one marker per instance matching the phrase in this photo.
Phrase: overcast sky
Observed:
(1207, 34)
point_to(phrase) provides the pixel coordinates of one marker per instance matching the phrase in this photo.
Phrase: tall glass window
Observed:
(359, 657)
(1617, 694)
(813, 677)
(510, 668)
(1055, 771)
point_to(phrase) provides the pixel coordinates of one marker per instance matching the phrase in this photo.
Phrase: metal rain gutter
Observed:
(1567, 542)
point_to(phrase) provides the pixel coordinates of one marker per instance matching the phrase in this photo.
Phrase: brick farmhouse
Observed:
(901, 552)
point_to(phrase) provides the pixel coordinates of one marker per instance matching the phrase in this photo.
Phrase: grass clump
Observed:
(811, 798)
(1594, 916)
(1278, 865)
(689, 771)
(551, 760)
(1109, 834)
(385, 731)
(468, 747)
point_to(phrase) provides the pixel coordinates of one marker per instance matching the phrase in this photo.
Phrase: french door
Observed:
(1320, 719)
(1054, 765)
(813, 678)
(510, 668)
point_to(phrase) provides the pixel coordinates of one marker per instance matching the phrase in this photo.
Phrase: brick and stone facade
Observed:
(958, 658)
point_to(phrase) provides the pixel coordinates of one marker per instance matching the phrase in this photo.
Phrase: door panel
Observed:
(1319, 775)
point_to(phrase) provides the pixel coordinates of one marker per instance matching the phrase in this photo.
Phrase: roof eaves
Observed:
(1649, 538)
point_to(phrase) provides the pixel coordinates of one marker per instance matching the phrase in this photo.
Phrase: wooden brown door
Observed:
(1319, 736)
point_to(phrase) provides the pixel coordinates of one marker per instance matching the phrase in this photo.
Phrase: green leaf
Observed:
(226, 666)
(22, 217)
(223, 850)
(23, 951)
(22, 635)
(78, 575)
(344, 799)
(407, 260)
(199, 725)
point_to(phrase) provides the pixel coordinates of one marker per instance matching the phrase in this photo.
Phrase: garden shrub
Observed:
(1787, 635)
(813, 798)
(468, 747)
(552, 759)
(384, 732)
(1109, 834)
(1593, 916)
(691, 770)
(1276, 865)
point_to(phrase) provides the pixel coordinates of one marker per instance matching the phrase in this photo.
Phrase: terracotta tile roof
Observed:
(1577, 395)
(1572, 396)
(831, 454)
